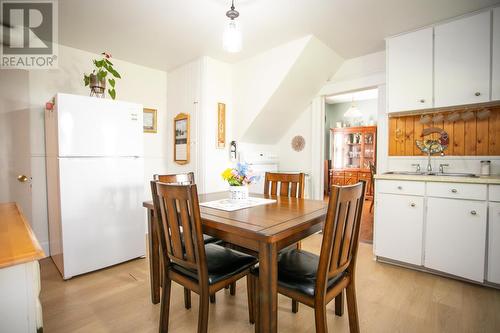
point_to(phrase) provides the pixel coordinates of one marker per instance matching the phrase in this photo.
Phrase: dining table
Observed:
(264, 229)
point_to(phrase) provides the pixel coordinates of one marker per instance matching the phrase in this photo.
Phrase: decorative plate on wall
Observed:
(298, 143)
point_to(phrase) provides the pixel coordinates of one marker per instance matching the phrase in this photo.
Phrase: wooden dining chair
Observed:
(289, 184)
(202, 268)
(187, 179)
(315, 281)
(373, 171)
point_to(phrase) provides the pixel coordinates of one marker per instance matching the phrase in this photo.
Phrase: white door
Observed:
(399, 227)
(456, 237)
(494, 243)
(495, 91)
(102, 219)
(409, 71)
(462, 61)
(16, 133)
(89, 126)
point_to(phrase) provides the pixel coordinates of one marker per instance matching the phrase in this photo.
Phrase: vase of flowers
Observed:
(238, 179)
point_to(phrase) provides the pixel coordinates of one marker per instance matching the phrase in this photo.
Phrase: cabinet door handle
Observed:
(422, 100)
(412, 204)
(400, 187)
(477, 94)
(473, 212)
(454, 190)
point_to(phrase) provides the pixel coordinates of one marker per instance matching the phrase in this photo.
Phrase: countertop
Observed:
(445, 179)
(18, 243)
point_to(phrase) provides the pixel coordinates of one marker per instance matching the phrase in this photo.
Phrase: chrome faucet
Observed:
(417, 166)
(441, 167)
(429, 166)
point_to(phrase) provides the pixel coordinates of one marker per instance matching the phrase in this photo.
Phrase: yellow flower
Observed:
(226, 174)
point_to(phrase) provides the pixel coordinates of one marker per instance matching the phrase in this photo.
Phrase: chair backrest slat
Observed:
(177, 206)
(340, 232)
(290, 184)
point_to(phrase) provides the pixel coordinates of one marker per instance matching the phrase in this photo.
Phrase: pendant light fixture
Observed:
(231, 40)
(353, 111)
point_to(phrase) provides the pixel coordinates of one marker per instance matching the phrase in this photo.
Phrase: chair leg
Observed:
(352, 308)
(256, 300)
(203, 312)
(232, 289)
(320, 318)
(250, 293)
(212, 298)
(165, 305)
(187, 298)
(339, 304)
(295, 306)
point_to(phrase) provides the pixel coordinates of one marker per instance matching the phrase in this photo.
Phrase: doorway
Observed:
(351, 145)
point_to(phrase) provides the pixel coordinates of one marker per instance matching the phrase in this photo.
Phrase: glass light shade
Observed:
(353, 112)
(231, 40)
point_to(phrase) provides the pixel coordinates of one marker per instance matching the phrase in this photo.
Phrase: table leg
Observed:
(154, 258)
(268, 288)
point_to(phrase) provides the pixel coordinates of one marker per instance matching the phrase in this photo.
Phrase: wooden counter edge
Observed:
(37, 252)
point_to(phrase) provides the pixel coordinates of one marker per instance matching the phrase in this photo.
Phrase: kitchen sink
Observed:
(445, 174)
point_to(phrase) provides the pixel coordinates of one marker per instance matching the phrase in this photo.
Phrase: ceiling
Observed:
(362, 95)
(165, 34)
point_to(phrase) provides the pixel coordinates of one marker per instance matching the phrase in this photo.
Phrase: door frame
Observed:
(375, 81)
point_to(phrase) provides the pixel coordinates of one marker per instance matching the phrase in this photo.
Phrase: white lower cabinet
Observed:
(399, 227)
(455, 241)
(494, 243)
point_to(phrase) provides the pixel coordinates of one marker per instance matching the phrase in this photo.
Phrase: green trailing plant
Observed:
(104, 71)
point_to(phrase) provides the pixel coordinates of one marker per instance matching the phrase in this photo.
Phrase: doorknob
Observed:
(23, 178)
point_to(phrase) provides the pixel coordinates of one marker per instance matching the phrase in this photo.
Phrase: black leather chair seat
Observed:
(221, 263)
(297, 271)
(209, 239)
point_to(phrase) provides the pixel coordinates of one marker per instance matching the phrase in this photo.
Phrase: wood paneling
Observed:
(473, 137)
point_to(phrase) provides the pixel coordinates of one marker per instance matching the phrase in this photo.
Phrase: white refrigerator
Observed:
(95, 183)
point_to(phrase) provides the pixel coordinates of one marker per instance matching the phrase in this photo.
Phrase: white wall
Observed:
(217, 87)
(256, 80)
(291, 160)
(183, 96)
(138, 84)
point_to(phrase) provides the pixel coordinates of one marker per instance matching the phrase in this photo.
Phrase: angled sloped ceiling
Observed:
(273, 88)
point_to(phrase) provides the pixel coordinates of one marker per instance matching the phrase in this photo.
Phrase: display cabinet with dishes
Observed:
(352, 150)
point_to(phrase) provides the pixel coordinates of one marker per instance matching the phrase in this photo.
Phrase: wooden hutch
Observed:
(352, 150)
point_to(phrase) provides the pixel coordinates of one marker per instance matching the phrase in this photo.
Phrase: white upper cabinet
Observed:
(495, 91)
(462, 61)
(409, 70)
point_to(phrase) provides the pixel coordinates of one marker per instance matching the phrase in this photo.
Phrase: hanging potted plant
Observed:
(102, 73)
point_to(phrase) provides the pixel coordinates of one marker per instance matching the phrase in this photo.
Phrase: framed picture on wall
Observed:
(181, 138)
(221, 125)
(150, 121)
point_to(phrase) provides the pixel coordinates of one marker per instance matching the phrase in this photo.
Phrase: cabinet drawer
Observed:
(339, 181)
(400, 187)
(457, 191)
(494, 193)
(349, 174)
(364, 175)
(337, 173)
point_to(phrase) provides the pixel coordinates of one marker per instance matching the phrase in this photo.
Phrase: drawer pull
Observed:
(400, 187)
(422, 100)
(473, 212)
(454, 190)
(412, 204)
(477, 94)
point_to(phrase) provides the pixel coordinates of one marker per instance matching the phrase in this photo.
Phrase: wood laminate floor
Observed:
(390, 299)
